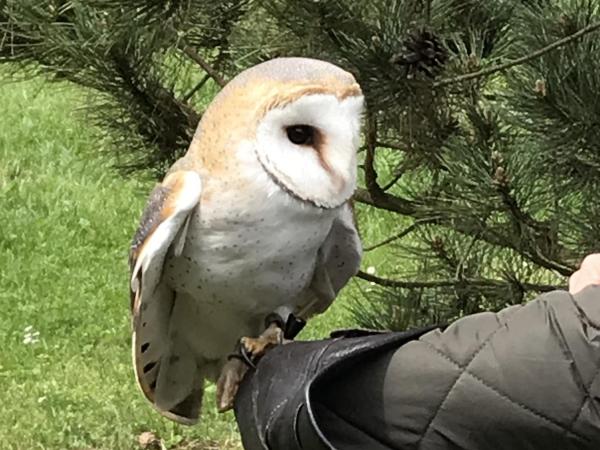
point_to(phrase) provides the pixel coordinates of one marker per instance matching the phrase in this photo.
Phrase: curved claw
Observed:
(246, 356)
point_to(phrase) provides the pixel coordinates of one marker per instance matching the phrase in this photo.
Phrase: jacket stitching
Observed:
(463, 370)
(564, 345)
(582, 314)
(583, 317)
(524, 407)
(586, 399)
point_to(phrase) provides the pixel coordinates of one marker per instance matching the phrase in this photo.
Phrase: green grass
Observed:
(67, 217)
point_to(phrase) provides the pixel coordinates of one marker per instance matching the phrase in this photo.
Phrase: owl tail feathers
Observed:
(169, 375)
(178, 388)
(187, 411)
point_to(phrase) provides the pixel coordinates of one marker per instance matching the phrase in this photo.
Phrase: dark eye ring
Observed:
(301, 134)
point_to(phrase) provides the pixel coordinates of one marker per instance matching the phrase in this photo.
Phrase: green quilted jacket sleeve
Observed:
(527, 377)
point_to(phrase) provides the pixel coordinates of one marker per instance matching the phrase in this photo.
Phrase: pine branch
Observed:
(397, 236)
(158, 117)
(196, 88)
(193, 54)
(374, 194)
(388, 145)
(399, 171)
(448, 258)
(393, 181)
(405, 207)
(474, 282)
(386, 201)
(514, 209)
(542, 238)
(516, 62)
(369, 166)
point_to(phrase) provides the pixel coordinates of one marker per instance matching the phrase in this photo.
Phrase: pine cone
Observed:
(422, 52)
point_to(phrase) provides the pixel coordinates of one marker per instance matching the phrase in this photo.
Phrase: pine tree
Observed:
(481, 130)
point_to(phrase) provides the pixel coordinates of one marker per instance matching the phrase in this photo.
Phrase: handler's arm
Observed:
(525, 378)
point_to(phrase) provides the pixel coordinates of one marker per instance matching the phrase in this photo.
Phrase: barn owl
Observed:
(250, 228)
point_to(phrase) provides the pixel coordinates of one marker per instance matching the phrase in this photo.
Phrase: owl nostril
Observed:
(301, 134)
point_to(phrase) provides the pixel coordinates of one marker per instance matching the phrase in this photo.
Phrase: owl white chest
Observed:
(245, 257)
(252, 259)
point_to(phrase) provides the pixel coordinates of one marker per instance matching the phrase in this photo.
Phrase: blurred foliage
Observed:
(498, 176)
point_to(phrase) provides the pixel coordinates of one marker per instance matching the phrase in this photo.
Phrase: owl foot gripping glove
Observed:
(249, 351)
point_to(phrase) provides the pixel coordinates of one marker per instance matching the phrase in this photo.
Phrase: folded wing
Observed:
(338, 260)
(165, 368)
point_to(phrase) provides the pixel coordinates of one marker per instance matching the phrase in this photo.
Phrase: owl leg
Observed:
(229, 381)
(249, 350)
(277, 332)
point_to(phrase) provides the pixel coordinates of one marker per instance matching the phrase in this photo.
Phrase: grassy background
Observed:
(67, 218)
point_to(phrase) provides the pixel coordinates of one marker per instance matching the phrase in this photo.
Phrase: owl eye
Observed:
(301, 134)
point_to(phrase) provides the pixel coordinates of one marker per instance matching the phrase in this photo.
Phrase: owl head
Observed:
(300, 118)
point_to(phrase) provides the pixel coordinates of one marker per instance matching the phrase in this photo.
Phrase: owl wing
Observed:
(162, 229)
(338, 260)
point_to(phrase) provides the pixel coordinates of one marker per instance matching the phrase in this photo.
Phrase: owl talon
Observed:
(243, 355)
(257, 347)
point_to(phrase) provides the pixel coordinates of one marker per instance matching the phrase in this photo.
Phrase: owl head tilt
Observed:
(300, 118)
